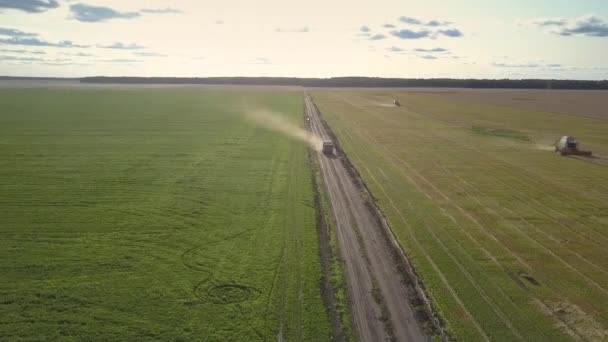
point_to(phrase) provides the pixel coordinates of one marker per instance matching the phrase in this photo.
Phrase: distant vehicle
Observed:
(397, 103)
(567, 145)
(328, 148)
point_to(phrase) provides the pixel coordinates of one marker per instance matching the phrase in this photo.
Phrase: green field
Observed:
(155, 214)
(508, 237)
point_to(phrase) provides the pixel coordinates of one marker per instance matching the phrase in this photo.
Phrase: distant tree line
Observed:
(357, 82)
(361, 82)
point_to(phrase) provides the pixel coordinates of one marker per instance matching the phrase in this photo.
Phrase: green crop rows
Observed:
(508, 237)
(155, 214)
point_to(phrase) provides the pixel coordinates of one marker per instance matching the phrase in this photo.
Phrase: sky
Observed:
(561, 39)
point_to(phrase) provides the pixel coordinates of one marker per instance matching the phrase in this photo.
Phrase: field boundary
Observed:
(424, 309)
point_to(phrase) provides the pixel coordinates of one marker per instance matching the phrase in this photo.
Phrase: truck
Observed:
(328, 148)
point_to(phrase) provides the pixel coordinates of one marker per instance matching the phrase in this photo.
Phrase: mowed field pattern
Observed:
(508, 237)
(155, 214)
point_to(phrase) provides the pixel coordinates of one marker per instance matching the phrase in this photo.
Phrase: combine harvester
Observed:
(568, 145)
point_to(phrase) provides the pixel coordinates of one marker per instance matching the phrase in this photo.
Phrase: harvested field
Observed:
(508, 237)
(155, 214)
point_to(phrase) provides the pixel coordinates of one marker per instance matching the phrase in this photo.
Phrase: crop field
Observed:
(155, 214)
(508, 237)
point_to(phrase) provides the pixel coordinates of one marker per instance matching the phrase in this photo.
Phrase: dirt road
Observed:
(379, 300)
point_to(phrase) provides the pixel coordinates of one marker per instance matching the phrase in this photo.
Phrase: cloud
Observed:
(149, 54)
(414, 21)
(36, 52)
(526, 65)
(122, 46)
(389, 26)
(410, 20)
(589, 25)
(427, 57)
(395, 49)
(92, 14)
(549, 22)
(30, 6)
(435, 50)
(304, 29)
(260, 60)
(119, 60)
(219, 22)
(4, 31)
(377, 36)
(167, 10)
(409, 34)
(78, 54)
(454, 33)
(432, 32)
(65, 64)
(39, 42)
(435, 23)
(4, 58)
(15, 58)
(364, 28)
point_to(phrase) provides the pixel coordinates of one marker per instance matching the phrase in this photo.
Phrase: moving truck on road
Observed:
(328, 148)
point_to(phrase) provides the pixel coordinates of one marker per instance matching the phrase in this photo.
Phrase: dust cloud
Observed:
(382, 104)
(545, 144)
(276, 122)
(544, 147)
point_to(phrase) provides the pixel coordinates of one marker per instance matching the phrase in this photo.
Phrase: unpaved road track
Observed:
(379, 300)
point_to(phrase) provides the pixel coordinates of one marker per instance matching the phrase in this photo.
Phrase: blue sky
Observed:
(314, 38)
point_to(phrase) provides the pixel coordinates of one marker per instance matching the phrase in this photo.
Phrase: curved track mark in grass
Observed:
(189, 260)
(225, 293)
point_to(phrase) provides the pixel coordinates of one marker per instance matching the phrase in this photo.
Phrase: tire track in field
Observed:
(289, 260)
(527, 197)
(509, 211)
